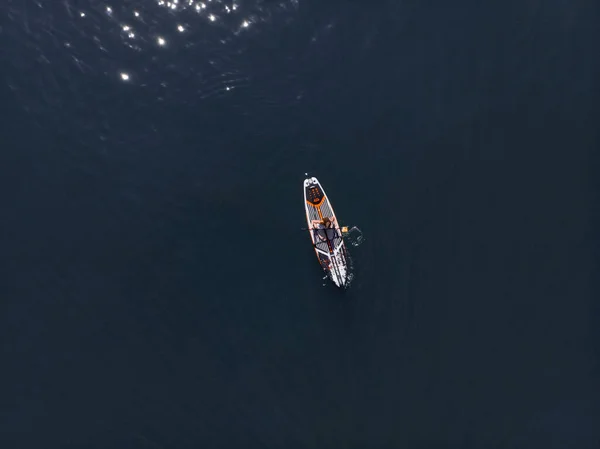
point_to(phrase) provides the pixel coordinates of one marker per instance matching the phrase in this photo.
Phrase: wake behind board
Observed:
(328, 242)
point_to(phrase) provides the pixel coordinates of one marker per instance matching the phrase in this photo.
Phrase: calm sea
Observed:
(156, 290)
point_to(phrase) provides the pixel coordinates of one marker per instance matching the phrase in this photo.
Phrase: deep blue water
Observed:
(156, 289)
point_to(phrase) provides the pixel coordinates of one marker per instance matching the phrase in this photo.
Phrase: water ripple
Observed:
(199, 46)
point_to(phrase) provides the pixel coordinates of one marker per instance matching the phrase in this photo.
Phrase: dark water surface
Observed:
(156, 291)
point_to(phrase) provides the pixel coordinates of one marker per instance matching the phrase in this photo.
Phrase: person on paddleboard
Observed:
(325, 229)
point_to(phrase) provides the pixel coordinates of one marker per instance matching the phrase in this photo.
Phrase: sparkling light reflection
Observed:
(151, 52)
(145, 27)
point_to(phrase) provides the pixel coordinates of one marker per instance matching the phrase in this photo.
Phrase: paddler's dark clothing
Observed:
(324, 233)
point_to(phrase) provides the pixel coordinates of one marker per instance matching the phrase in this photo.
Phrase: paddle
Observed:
(344, 229)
